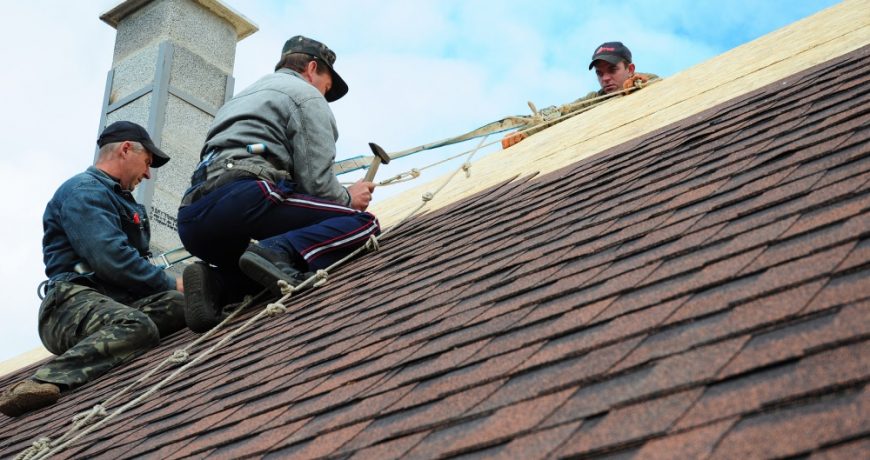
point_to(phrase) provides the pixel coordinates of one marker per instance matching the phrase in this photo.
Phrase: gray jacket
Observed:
(292, 119)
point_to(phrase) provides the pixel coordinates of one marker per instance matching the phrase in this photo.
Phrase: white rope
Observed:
(179, 357)
(83, 418)
(38, 447)
(583, 105)
(372, 244)
(47, 448)
(44, 447)
(275, 309)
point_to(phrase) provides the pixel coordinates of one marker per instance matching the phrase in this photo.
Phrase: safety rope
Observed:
(89, 421)
(45, 447)
(569, 110)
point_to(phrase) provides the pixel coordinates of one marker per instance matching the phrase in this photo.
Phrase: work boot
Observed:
(267, 267)
(202, 297)
(26, 396)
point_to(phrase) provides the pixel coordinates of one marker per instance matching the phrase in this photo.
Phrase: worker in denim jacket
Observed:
(105, 303)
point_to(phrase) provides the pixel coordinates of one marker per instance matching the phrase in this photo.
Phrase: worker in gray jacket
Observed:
(266, 174)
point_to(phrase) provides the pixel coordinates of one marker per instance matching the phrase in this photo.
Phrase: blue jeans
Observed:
(218, 227)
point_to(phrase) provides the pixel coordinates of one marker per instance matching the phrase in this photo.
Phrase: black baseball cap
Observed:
(612, 52)
(305, 45)
(121, 131)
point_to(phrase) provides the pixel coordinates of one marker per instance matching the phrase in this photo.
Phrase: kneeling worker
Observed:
(105, 302)
(266, 173)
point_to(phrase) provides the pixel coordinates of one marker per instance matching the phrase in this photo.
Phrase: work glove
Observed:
(636, 80)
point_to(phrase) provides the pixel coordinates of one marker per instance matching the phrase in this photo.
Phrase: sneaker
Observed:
(267, 267)
(26, 396)
(202, 294)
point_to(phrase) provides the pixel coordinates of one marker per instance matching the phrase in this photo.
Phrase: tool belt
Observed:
(213, 173)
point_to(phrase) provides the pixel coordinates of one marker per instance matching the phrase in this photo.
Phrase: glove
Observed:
(636, 80)
(511, 139)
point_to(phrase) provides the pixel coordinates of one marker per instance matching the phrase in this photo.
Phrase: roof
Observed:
(700, 291)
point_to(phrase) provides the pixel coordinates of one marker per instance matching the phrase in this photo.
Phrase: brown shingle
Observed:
(797, 429)
(630, 423)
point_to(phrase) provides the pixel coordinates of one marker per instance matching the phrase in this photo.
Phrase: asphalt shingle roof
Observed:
(702, 291)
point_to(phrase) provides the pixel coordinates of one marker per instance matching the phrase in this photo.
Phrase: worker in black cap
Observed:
(104, 302)
(266, 174)
(615, 71)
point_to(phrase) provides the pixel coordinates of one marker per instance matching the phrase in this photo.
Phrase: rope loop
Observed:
(285, 287)
(179, 357)
(83, 418)
(427, 196)
(275, 309)
(372, 244)
(322, 277)
(38, 447)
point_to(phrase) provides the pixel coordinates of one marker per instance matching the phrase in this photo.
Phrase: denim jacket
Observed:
(91, 220)
(292, 120)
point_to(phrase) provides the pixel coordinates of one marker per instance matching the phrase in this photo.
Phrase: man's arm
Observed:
(314, 152)
(94, 228)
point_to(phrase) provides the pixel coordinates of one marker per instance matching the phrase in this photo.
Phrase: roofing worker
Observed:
(105, 303)
(266, 173)
(615, 72)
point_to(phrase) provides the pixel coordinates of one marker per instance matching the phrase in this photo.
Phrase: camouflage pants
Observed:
(92, 333)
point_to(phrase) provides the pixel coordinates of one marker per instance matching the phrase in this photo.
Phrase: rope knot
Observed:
(85, 418)
(466, 167)
(285, 287)
(415, 173)
(275, 309)
(427, 196)
(39, 446)
(322, 277)
(372, 244)
(179, 357)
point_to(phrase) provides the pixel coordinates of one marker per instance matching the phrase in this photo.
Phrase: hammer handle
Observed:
(373, 169)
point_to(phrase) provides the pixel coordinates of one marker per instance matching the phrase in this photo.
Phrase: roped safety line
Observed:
(95, 418)
(585, 105)
(45, 447)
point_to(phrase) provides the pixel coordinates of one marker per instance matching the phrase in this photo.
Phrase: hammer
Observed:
(380, 157)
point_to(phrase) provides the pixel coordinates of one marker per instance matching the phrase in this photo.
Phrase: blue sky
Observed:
(418, 71)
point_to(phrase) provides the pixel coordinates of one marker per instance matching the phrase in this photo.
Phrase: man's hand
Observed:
(634, 80)
(179, 284)
(512, 138)
(361, 194)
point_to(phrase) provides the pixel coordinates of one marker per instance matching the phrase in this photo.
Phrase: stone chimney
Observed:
(171, 71)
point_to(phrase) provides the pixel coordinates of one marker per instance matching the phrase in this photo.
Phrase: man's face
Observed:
(612, 76)
(322, 81)
(136, 166)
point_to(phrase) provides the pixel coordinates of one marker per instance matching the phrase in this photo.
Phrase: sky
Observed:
(418, 71)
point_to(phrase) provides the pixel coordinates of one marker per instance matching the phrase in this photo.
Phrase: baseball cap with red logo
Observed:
(612, 52)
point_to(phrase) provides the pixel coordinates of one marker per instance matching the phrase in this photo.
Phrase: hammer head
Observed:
(379, 152)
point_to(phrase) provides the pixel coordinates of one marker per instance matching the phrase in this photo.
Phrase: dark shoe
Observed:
(202, 297)
(267, 267)
(26, 396)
